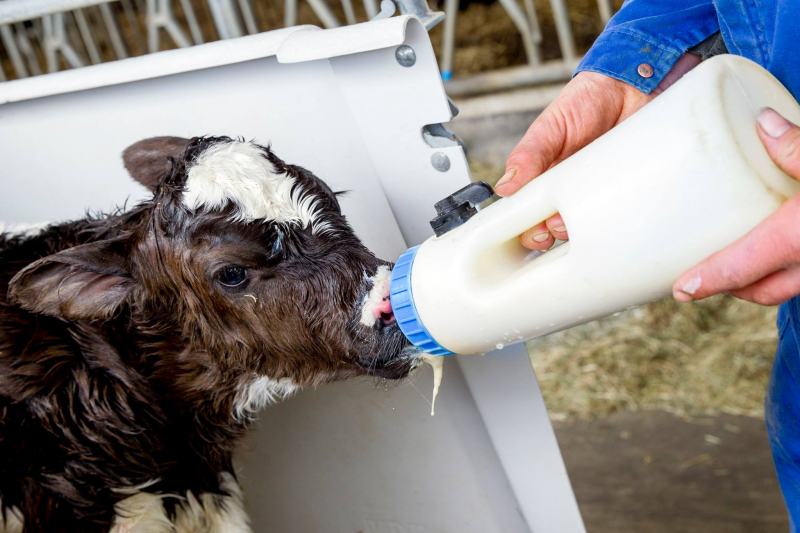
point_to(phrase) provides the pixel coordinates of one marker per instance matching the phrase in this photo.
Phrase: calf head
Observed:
(240, 275)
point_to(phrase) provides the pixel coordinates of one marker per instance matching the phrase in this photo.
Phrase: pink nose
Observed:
(383, 311)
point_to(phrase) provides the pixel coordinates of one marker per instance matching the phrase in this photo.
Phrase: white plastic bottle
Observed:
(682, 178)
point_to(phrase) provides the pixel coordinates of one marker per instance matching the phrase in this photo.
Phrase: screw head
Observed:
(405, 55)
(440, 161)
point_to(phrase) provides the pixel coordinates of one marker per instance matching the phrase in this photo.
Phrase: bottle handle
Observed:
(535, 200)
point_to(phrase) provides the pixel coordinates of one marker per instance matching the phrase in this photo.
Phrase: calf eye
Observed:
(232, 276)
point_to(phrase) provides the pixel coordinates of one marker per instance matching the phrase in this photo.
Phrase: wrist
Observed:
(686, 63)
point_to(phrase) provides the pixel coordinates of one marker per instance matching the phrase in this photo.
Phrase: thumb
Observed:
(536, 151)
(781, 139)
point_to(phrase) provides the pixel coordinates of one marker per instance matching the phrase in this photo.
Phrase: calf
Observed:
(136, 346)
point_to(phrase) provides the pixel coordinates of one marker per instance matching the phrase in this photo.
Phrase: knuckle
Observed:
(782, 237)
(523, 155)
(730, 276)
(556, 225)
(519, 158)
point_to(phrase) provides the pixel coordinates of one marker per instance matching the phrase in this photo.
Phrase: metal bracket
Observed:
(418, 8)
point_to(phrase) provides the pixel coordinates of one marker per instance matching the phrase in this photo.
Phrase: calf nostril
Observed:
(384, 307)
(384, 313)
(386, 319)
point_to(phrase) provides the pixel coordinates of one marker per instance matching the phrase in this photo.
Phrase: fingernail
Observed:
(508, 176)
(681, 296)
(691, 285)
(772, 123)
(541, 237)
(561, 228)
(687, 290)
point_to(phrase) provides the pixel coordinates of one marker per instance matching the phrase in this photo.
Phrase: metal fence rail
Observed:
(39, 36)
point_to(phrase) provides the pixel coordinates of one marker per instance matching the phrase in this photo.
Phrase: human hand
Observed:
(588, 106)
(764, 265)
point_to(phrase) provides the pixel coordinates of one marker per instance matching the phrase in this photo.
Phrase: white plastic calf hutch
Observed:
(350, 104)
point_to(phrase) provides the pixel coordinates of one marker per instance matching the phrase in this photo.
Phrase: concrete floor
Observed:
(657, 473)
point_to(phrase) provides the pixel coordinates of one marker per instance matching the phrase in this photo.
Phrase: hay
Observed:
(705, 358)
(486, 39)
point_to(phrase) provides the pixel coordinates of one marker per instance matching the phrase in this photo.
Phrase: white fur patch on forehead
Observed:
(238, 172)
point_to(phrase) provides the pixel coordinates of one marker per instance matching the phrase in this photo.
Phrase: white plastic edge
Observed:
(147, 66)
(345, 40)
(290, 45)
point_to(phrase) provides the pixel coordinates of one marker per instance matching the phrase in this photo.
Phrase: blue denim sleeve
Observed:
(645, 38)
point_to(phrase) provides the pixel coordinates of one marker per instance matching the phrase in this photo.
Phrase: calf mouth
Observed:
(389, 354)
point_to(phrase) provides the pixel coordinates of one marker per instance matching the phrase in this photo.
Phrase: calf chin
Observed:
(389, 355)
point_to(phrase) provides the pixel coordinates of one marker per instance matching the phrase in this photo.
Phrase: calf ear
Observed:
(89, 281)
(148, 160)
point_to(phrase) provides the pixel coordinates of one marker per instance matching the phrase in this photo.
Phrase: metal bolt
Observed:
(405, 55)
(440, 162)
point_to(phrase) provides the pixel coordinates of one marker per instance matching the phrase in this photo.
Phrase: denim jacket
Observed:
(645, 38)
